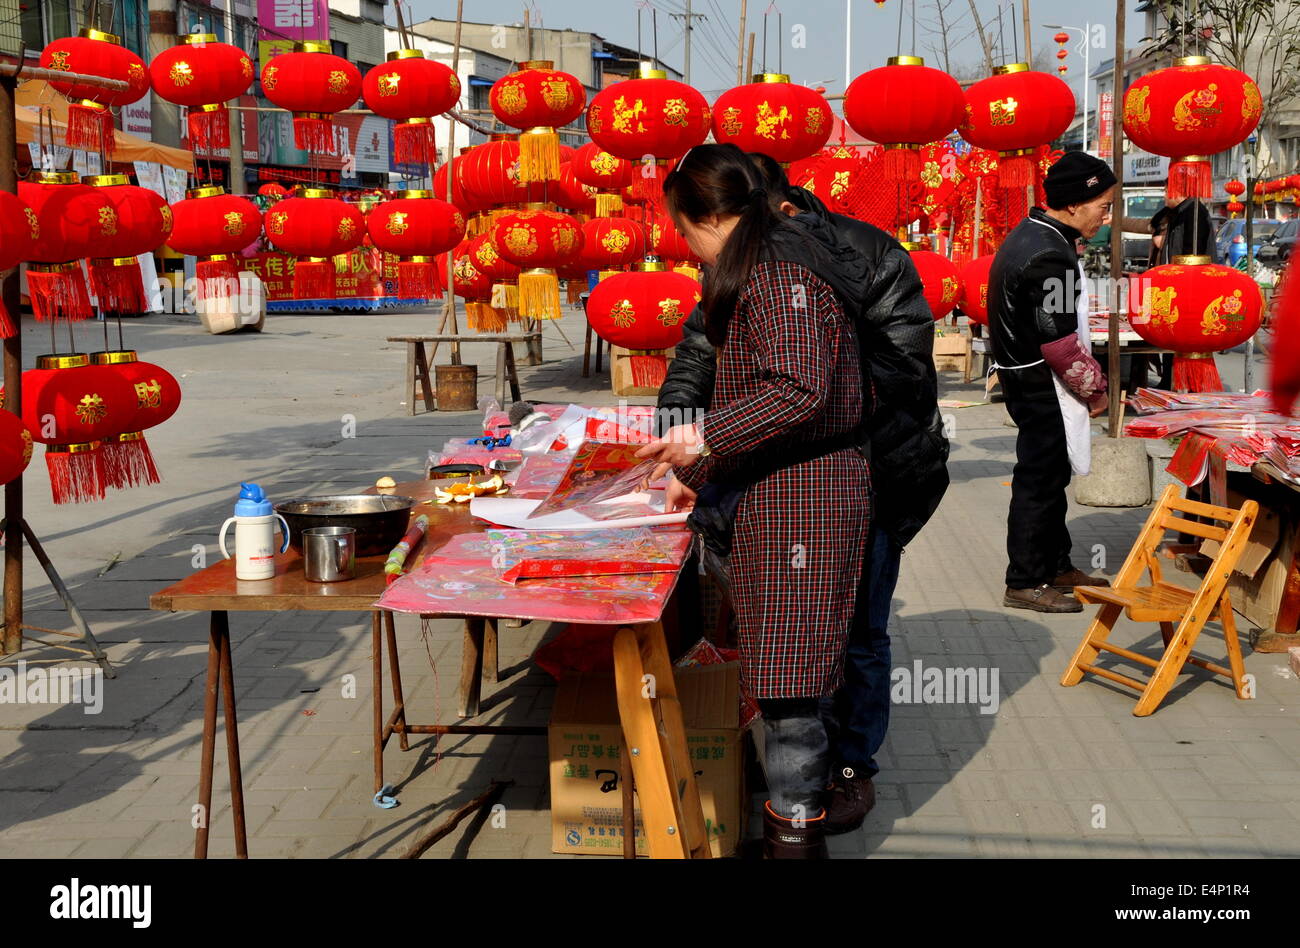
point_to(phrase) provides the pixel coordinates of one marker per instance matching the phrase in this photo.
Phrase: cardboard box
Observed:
(585, 741)
(620, 372)
(952, 352)
(1258, 582)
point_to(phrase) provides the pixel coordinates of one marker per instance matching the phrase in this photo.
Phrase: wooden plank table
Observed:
(217, 591)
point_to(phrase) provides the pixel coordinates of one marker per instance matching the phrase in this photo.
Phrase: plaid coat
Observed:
(788, 374)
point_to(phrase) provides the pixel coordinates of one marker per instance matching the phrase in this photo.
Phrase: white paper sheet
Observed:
(514, 511)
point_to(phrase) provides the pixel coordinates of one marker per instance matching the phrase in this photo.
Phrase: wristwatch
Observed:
(702, 449)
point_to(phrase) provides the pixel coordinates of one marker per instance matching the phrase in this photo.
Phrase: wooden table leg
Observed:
(512, 372)
(629, 801)
(586, 354)
(211, 688)
(490, 667)
(412, 383)
(422, 366)
(377, 693)
(501, 374)
(395, 672)
(232, 736)
(471, 666)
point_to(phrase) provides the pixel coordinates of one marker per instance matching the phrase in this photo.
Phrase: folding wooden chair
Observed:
(1167, 603)
(651, 715)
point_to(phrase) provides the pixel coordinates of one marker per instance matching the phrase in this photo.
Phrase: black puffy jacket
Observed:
(880, 288)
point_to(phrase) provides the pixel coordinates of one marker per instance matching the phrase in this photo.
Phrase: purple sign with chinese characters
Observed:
(294, 19)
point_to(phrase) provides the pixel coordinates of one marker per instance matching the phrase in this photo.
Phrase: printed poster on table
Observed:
(599, 471)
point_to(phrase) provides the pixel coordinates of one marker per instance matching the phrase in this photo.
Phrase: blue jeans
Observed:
(858, 714)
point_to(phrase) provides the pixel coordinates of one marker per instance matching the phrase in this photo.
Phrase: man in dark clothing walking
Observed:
(882, 293)
(1038, 326)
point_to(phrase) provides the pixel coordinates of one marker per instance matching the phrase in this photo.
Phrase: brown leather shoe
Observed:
(849, 800)
(782, 839)
(1077, 577)
(1041, 599)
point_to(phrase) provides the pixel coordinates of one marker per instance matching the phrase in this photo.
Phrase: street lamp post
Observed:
(1086, 43)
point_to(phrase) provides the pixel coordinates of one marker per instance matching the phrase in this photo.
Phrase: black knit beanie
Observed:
(1076, 179)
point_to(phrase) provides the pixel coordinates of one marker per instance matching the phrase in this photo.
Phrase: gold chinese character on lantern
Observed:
(1160, 305)
(181, 74)
(604, 164)
(521, 240)
(931, 175)
(270, 76)
(625, 115)
(557, 94)
(813, 121)
(135, 71)
(769, 122)
(246, 68)
(165, 212)
(512, 99)
(615, 240)
(670, 313)
(235, 223)
(731, 124)
(1003, 111)
(388, 83)
(59, 60)
(564, 240)
(676, 112)
(839, 184)
(1136, 110)
(338, 81)
(34, 223)
(274, 223)
(108, 222)
(397, 223)
(27, 446)
(595, 120)
(622, 314)
(347, 227)
(91, 409)
(148, 394)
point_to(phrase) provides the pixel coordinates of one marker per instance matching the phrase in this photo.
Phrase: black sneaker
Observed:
(849, 799)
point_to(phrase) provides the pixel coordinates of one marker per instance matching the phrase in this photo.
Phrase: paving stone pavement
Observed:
(1052, 772)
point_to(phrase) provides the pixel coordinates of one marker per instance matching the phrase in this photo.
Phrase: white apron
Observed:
(1074, 410)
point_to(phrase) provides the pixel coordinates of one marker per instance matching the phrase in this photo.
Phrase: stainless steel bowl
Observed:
(379, 519)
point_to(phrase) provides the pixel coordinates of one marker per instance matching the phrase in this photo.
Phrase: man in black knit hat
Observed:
(1039, 332)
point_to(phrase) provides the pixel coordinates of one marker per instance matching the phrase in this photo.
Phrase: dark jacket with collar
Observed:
(1034, 288)
(878, 283)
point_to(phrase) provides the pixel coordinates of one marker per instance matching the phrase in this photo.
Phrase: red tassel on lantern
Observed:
(1016, 169)
(58, 289)
(76, 472)
(128, 462)
(313, 279)
(417, 279)
(1190, 177)
(414, 142)
(7, 327)
(118, 284)
(218, 276)
(90, 127)
(209, 127)
(314, 132)
(648, 371)
(902, 163)
(1196, 372)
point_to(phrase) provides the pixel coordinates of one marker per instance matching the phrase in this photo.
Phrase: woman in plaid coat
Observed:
(785, 420)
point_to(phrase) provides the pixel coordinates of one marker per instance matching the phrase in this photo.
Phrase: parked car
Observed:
(1261, 228)
(1277, 246)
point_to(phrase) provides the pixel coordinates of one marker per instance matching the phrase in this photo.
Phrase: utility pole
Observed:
(236, 118)
(1116, 407)
(688, 16)
(740, 48)
(1029, 48)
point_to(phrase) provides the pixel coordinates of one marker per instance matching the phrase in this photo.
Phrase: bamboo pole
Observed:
(740, 47)
(749, 59)
(449, 303)
(1116, 407)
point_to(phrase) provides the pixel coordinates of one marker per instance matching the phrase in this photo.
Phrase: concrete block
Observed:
(1121, 475)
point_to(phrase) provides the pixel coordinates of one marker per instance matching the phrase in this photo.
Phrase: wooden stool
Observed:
(1166, 603)
(417, 364)
(586, 353)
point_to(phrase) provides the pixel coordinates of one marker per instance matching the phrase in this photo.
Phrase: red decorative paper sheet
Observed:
(599, 471)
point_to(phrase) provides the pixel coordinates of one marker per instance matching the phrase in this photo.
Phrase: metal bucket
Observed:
(457, 387)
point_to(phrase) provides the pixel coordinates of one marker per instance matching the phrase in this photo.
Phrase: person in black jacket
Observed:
(1052, 383)
(880, 287)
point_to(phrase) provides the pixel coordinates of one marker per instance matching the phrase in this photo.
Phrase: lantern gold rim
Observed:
(1191, 158)
(418, 120)
(397, 54)
(1016, 153)
(535, 206)
(1191, 260)
(94, 34)
(55, 177)
(92, 105)
(414, 193)
(112, 261)
(915, 146)
(1010, 68)
(418, 258)
(648, 71)
(313, 193)
(1192, 61)
(537, 64)
(207, 191)
(538, 271)
(649, 266)
(128, 436)
(315, 259)
(217, 258)
(114, 356)
(539, 130)
(772, 77)
(80, 448)
(311, 46)
(317, 116)
(504, 137)
(105, 180)
(210, 107)
(196, 39)
(66, 267)
(905, 61)
(62, 360)
(911, 245)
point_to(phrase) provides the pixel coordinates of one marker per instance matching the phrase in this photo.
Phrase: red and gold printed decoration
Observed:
(838, 176)
(75, 221)
(1189, 112)
(416, 227)
(1195, 308)
(539, 242)
(773, 116)
(974, 278)
(15, 446)
(95, 53)
(1013, 112)
(904, 105)
(19, 230)
(502, 275)
(214, 227)
(597, 168)
(475, 287)
(643, 311)
(538, 99)
(202, 75)
(940, 281)
(649, 115)
(313, 84)
(411, 90)
(144, 221)
(611, 243)
(126, 458)
(315, 227)
(71, 407)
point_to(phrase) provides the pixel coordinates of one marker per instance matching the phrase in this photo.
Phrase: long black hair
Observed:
(722, 180)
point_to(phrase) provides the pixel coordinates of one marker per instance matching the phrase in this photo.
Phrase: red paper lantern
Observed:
(214, 226)
(940, 280)
(19, 230)
(1062, 37)
(15, 446)
(1013, 112)
(144, 220)
(316, 227)
(1285, 357)
(202, 75)
(570, 193)
(1294, 182)
(538, 241)
(643, 311)
(273, 189)
(490, 173)
(1195, 308)
(313, 84)
(127, 460)
(598, 169)
(649, 115)
(1062, 54)
(411, 90)
(609, 243)
(482, 251)
(1062, 69)
(1235, 208)
(974, 278)
(416, 227)
(773, 116)
(1188, 112)
(463, 199)
(71, 407)
(95, 53)
(667, 242)
(904, 106)
(475, 287)
(1235, 187)
(75, 221)
(538, 99)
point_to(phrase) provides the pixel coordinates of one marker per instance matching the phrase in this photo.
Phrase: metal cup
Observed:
(329, 554)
